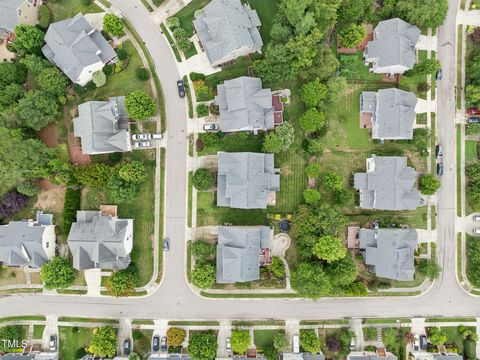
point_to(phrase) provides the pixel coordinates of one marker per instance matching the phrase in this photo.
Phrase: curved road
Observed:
(175, 300)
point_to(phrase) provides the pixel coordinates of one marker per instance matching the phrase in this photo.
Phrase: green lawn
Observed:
(238, 68)
(458, 147)
(455, 338)
(142, 340)
(411, 83)
(190, 189)
(352, 67)
(186, 14)
(395, 341)
(190, 52)
(38, 331)
(415, 219)
(65, 9)
(266, 10)
(73, 339)
(470, 151)
(236, 142)
(264, 338)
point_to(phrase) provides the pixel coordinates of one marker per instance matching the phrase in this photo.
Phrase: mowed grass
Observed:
(264, 338)
(66, 9)
(470, 151)
(292, 180)
(38, 331)
(142, 340)
(72, 339)
(236, 142)
(186, 15)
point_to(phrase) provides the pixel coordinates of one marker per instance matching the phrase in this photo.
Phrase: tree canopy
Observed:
(203, 275)
(309, 341)
(310, 280)
(329, 248)
(202, 179)
(202, 346)
(425, 13)
(57, 273)
(352, 36)
(28, 40)
(37, 109)
(122, 283)
(134, 172)
(314, 92)
(429, 184)
(140, 106)
(311, 196)
(113, 24)
(52, 81)
(104, 342)
(312, 120)
(240, 341)
(280, 139)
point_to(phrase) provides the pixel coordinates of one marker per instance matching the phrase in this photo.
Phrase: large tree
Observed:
(58, 273)
(122, 283)
(37, 109)
(280, 139)
(351, 36)
(9, 333)
(240, 341)
(312, 120)
(313, 92)
(35, 64)
(120, 190)
(113, 24)
(52, 81)
(332, 181)
(329, 248)
(275, 65)
(203, 275)
(140, 105)
(12, 73)
(133, 171)
(202, 346)
(28, 40)
(342, 272)
(425, 13)
(310, 280)
(429, 184)
(355, 10)
(202, 179)
(10, 95)
(175, 336)
(104, 342)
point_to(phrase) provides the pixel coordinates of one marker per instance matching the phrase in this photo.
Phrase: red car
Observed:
(473, 111)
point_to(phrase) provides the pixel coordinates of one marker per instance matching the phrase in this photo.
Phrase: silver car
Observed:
(210, 127)
(141, 136)
(157, 136)
(142, 144)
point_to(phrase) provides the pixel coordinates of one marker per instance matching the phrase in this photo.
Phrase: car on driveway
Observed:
(473, 111)
(142, 144)
(439, 74)
(476, 231)
(416, 343)
(353, 343)
(438, 151)
(228, 345)
(156, 343)
(166, 244)
(474, 120)
(163, 343)
(210, 127)
(439, 169)
(141, 136)
(53, 343)
(423, 342)
(157, 136)
(476, 218)
(181, 88)
(296, 344)
(126, 347)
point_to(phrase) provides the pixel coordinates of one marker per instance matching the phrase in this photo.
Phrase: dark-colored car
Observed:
(423, 342)
(181, 88)
(438, 151)
(439, 74)
(473, 111)
(439, 169)
(474, 120)
(166, 244)
(53, 343)
(156, 343)
(126, 347)
(163, 343)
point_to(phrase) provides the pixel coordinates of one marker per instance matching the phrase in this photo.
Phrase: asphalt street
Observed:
(175, 300)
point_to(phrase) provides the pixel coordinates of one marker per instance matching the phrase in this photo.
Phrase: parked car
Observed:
(141, 136)
(142, 144)
(473, 111)
(157, 136)
(166, 244)
(53, 343)
(423, 342)
(156, 343)
(181, 88)
(353, 343)
(210, 127)
(163, 343)
(439, 74)
(474, 120)
(228, 345)
(476, 231)
(476, 218)
(416, 343)
(126, 347)
(296, 344)
(439, 169)
(438, 151)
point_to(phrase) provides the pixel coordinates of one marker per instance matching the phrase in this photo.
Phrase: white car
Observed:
(141, 136)
(157, 136)
(476, 218)
(142, 144)
(296, 344)
(228, 345)
(476, 231)
(210, 127)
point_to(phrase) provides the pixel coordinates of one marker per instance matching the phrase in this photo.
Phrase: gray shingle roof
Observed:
(447, 357)
(391, 251)
(245, 180)
(73, 45)
(393, 113)
(393, 46)
(225, 26)
(238, 252)
(169, 357)
(103, 126)
(371, 357)
(301, 356)
(244, 105)
(388, 184)
(100, 241)
(34, 356)
(21, 243)
(9, 14)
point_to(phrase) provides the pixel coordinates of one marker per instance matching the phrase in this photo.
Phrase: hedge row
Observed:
(70, 207)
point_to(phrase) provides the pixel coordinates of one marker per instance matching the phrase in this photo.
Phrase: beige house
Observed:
(17, 12)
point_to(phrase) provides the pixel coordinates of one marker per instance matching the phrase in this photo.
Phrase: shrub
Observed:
(469, 347)
(143, 74)
(311, 196)
(429, 184)
(57, 273)
(202, 91)
(214, 109)
(309, 340)
(202, 179)
(173, 23)
(120, 190)
(197, 76)
(313, 170)
(108, 69)
(277, 267)
(175, 336)
(202, 249)
(95, 175)
(203, 275)
(240, 341)
(79, 89)
(202, 110)
(27, 188)
(113, 24)
(90, 86)
(122, 283)
(44, 15)
(181, 38)
(352, 36)
(210, 138)
(115, 157)
(99, 78)
(70, 206)
(121, 53)
(472, 129)
(140, 105)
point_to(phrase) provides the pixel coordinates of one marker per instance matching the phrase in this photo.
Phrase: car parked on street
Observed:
(126, 347)
(166, 244)
(439, 169)
(438, 151)
(156, 343)
(181, 88)
(210, 127)
(473, 111)
(53, 343)
(141, 136)
(474, 120)
(228, 345)
(142, 144)
(163, 343)
(439, 74)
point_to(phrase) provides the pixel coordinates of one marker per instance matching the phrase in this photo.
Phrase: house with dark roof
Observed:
(388, 184)
(103, 126)
(244, 105)
(77, 49)
(246, 180)
(392, 113)
(392, 50)
(28, 242)
(390, 252)
(240, 252)
(228, 30)
(17, 12)
(98, 240)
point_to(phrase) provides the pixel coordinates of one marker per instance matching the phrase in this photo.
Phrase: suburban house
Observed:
(247, 180)
(390, 113)
(388, 184)
(168, 356)
(103, 126)
(390, 252)
(244, 105)
(228, 30)
(99, 239)
(28, 243)
(241, 251)
(380, 354)
(17, 12)
(32, 355)
(442, 354)
(301, 356)
(77, 49)
(392, 50)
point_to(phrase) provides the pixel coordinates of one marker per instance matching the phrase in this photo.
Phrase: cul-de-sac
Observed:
(240, 179)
